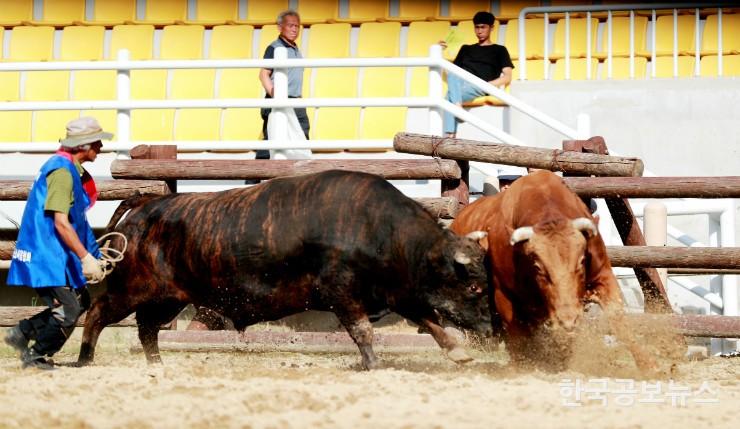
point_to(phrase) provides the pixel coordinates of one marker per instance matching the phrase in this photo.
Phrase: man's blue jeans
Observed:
(458, 92)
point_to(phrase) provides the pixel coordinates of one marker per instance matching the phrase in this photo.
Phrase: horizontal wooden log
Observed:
(443, 208)
(9, 316)
(17, 190)
(690, 325)
(674, 257)
(548, 159)
(655, 187)
(221, 169)
(702, 271)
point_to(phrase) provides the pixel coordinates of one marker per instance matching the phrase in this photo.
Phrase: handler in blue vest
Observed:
(56, 252)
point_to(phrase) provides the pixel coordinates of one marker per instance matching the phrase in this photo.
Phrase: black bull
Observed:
(344, 242)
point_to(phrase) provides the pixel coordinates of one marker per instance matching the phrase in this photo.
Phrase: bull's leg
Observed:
(455, 352)
(105, 311)
(607, 295)
(360, 329)
(150, 317)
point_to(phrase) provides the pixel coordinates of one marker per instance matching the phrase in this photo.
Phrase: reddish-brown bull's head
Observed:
(550, 260)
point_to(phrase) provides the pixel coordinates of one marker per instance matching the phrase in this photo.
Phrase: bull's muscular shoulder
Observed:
(476, 216)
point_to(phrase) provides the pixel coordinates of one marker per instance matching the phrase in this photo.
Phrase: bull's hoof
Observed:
(368, 365)
(459, 355)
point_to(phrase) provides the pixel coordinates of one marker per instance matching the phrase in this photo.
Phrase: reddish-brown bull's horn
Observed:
(521, 234)
(476, 235)
(585, 224)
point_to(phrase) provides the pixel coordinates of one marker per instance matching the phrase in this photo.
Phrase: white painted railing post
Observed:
(656, 230)
(123, 94)
(280, 92)
(435, 91)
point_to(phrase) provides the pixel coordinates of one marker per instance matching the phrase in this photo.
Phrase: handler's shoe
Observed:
(31, 359)
(15, 339)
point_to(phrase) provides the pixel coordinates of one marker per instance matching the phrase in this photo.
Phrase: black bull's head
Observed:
(458, 287)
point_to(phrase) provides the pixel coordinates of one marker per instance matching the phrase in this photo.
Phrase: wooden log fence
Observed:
(655, 187)
(109, 190)
(220, 169)
(548, 159)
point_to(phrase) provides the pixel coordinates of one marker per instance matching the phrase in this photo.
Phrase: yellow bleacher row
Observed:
(375, 39)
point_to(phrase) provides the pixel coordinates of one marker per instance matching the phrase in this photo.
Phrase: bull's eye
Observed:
(475, 289)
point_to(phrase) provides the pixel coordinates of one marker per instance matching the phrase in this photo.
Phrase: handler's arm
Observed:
(504, 79)
(265, 75)
(68, 234)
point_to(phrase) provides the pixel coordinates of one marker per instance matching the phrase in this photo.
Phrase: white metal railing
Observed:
(631, 8)
(435, 102)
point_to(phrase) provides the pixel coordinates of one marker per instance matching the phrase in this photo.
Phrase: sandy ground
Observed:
(325, 390)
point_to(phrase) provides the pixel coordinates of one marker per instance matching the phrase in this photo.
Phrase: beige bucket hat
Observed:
(84, 130)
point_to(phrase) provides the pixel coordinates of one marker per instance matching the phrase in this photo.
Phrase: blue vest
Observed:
(41, 259)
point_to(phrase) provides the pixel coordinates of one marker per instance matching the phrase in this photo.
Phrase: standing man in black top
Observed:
(484, 59)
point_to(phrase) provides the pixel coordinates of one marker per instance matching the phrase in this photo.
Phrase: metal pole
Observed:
(435, 91)
(727, 222)
(656, 230)
(280, 92)
(123, 94)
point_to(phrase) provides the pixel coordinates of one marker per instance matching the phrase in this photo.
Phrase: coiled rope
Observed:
(110, 255)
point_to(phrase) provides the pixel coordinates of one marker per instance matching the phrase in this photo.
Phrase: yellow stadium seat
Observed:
(241, 124)
(331, 83)
(664, 35)
(535, 70)
(15, 127)
(107, 119)
(424, 34)
(152, 124)
(113, 12)
(49, 125)
(16, 12)
(535, 33)
(94, 85)
(264, 12)
(165, 12)
(379, 39)
(509, 9)
(10, 86)
(148, 84)
(198, 124)
(46, 86)
(60, 13)
(240, 83)
(466, 29)
(578, 38)
(231, 42)
(578, 69)
(31, 43)
(416, 10)
(359, 11)
(730, 65)
(215, 12)
(664, 66)
(138, 39)
(382, 123)
(82, 43)
(384, 82)
(192, 84)
(268, 34)
(329, 41)
(318, 11)
(461, 10)
(621, 37)
(621, 68)
(730, 35)
(182, 42)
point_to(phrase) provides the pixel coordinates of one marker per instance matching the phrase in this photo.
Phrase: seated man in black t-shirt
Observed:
(484, 59)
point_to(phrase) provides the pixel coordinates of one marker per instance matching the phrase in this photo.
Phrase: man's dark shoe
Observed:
(15, 339)
(31, 359)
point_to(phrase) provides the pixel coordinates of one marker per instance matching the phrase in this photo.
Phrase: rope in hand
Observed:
(110, 256)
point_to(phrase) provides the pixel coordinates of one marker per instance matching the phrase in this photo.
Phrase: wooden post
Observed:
(156, 152)
(656, 299)
(459, 189)
(547, 159)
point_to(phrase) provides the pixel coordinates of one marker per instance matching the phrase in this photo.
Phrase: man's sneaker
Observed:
(15, 339)
(31, 359)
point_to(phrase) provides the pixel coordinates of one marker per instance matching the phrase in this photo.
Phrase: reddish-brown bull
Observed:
(335, 241)
(546, 261)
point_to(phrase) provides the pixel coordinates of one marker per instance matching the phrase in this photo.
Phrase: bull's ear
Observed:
(480, 237)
